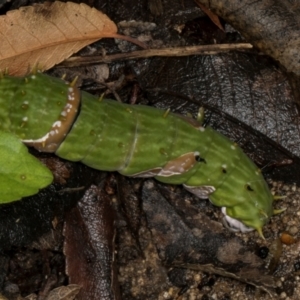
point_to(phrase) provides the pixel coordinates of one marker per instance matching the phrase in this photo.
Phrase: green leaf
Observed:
(21, 174)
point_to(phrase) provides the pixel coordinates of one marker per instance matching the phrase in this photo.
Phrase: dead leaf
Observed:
(89, 246)
(45, 34)
(214, 18)
(64, 292)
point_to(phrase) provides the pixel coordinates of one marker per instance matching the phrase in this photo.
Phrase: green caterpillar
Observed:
(139, 141)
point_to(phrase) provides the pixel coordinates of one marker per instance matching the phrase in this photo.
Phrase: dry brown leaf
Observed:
(45, 34)
(68, 292)
(214, 18)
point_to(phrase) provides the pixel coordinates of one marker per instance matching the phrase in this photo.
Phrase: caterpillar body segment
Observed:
(138, 141)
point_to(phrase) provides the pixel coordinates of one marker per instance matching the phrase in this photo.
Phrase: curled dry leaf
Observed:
(45, 34)
(271, 26)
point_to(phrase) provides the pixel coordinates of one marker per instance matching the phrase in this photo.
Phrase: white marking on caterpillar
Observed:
(201, 192)
(40, 140)
(57, 124)
(59, 129)
(234, 224)
(179, 165)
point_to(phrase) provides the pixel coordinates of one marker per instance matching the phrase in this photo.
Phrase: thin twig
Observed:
(78, 61)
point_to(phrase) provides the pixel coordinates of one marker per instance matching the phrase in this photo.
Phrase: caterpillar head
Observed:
(238, 226)
(252, 213)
